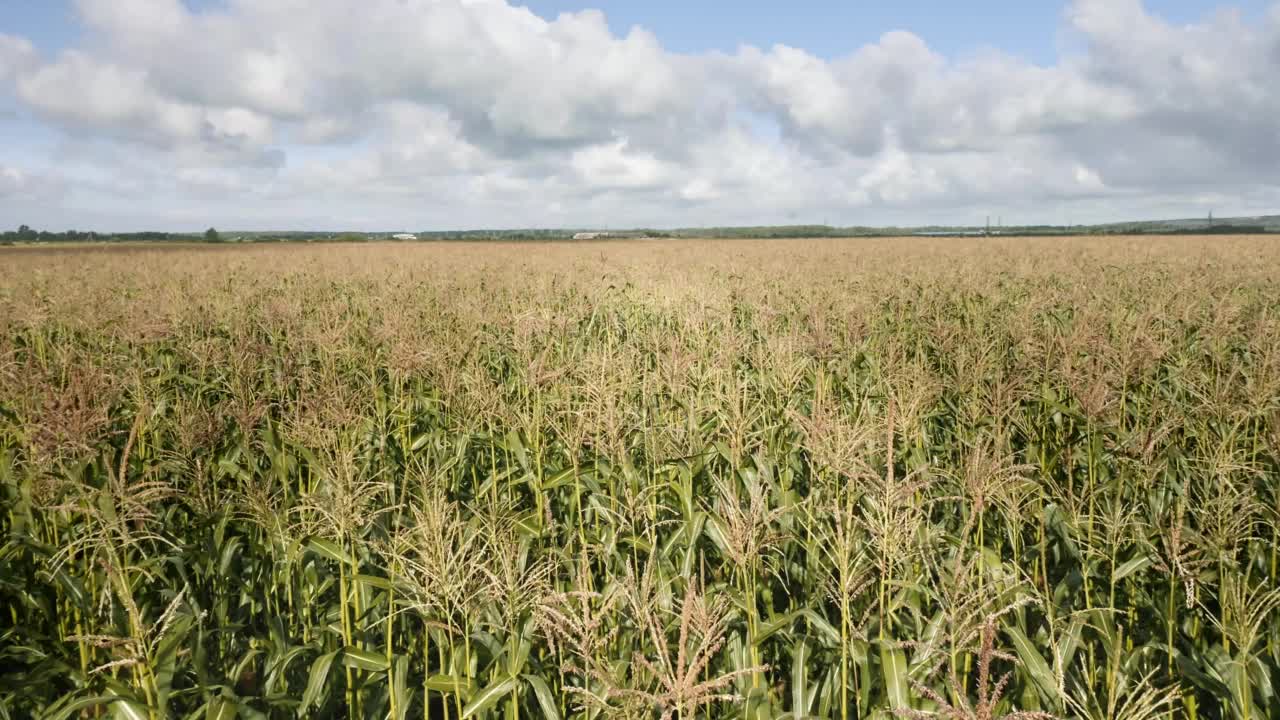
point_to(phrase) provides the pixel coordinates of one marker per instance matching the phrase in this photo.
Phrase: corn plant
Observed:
(953, 478)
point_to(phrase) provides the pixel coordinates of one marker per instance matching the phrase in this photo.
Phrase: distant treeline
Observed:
(1223, 230)
(535, 234)
(25, 234)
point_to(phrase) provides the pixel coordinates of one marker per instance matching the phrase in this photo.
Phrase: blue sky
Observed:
(828, 28)
(452, 113)
(1028, 28)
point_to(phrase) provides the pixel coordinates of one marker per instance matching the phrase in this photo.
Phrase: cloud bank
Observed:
(476, 113)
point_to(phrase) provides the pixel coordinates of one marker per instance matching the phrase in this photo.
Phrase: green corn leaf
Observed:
(557, 480)
(1035, 665)
(450, 684)
(317, 681)
(768, 628)
(373, 581)
(829, 697)
(400, 686)
(800, 678)
(487, 697)
(1137, 564)
(1070, 640)
(1193, 672)
(130, 710)
(330, 550)
(248, 712)
(893, 663)
(73, 708)
(354, 657)
(72, 586)
(546, 699)
(279, 667)
(825, 629)
(221, 708)
(228, 556)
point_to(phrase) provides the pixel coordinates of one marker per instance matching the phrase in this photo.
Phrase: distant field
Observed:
(660, 478)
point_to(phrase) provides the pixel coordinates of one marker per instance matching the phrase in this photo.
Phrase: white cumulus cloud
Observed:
(448, 113)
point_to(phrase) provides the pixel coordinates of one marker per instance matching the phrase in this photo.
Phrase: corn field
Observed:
(964, 479)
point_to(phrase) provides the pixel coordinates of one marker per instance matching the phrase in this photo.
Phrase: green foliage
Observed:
(977, 479)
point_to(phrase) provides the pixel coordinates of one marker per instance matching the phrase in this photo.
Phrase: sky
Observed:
(441, 114)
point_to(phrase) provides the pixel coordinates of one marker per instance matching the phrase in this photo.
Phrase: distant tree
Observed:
(26, 233)
(212, 236)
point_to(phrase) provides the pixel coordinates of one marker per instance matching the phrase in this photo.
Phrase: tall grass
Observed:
(834, 479)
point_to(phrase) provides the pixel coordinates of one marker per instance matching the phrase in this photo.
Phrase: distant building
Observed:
(955, 233)
(589, 235)
(404, 236)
